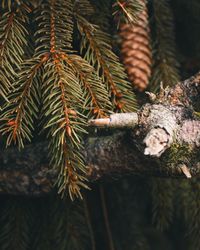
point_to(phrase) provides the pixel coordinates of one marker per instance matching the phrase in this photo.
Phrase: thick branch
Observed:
(159, 130)
(28, 172)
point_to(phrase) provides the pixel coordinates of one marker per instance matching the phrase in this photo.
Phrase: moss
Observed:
(197, 113)
(180, 154)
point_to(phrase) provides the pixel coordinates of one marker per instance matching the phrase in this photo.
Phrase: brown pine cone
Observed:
(136, 50)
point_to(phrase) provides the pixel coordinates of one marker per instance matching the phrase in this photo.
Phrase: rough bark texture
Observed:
(26, 171)
(164, 141)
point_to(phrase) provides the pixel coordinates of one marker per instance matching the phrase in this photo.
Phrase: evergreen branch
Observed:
(18, 114)
(76, 228)
(102, 15)
(165, 68)
(43, 231)
(97, 51)
(12, 45)
(9, 4)
(14, 232)
(65, 84)
(33, 3)
(62, 98)
(96, 103)
(53, 34)
(191, 202)
(67, 230)
(162, 203)
(126, 196)
(62, 101)
(127, 11)
(83, 7)
(19, 5)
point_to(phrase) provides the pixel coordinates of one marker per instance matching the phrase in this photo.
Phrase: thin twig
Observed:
(106, 220)
(121, 120)
(91, 231)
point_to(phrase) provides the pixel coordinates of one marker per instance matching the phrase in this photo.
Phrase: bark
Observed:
(162, 139)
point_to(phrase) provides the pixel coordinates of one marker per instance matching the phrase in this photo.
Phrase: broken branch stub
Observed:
(118, 120)
(158, 124)
(155, 127)
(169, 120)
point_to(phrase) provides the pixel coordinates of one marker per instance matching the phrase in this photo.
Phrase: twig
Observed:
(91, 231)
(121, 120)
(106, 220)
(185, 170)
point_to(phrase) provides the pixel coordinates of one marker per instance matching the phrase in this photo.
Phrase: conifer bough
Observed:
(43, 79)
(163, 140)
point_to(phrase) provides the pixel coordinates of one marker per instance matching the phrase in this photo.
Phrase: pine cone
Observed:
(136, 51)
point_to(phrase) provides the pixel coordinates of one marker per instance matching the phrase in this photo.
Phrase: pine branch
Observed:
(42, 223)
(162, 203)
(96, 102)
(13, 42)
(46, 223)
(127, 11)
(64, 87)
(11, 4)
(19, 113)
(97, 51)
(61, 92)
(165, 68)
(65, 124)
(70, 226)
(126, 197)
(191, 214)
(14, 232)
(70, 87)
(164, 129)
(52, 34)
(102, 15)
(62, 97)
(84, 8)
